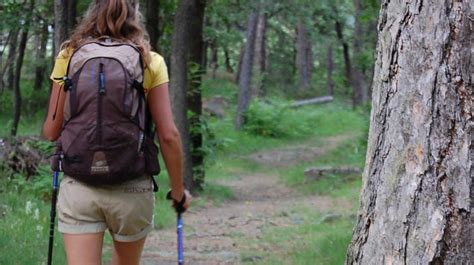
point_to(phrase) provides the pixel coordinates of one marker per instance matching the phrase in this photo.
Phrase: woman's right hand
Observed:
(182, 204)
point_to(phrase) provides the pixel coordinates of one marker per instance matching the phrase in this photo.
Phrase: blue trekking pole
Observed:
(179, 207)
(179, 228)
(52, 215)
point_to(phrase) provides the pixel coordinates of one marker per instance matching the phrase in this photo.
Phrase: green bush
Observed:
(264, 118)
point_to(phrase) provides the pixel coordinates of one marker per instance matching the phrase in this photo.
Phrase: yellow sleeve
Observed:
(60, 67)
(156, 73)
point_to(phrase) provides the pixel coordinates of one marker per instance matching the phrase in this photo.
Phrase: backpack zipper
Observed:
(99, 104)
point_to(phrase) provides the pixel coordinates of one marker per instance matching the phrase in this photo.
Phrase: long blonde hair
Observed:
(117, 19)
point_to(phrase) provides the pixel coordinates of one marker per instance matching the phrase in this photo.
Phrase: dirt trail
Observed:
(213, 234)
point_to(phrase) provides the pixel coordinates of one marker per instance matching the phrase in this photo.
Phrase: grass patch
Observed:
(24, 226)
(28, 125)
(313, 242)
(293, 125)
(347, 154)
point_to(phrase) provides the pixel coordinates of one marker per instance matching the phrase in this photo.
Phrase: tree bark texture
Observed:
(330, 69)
(345, 52)
(260, 56)
(246, 71)
(359, 84)
(152, 22)
(417, 198)
(304, 58)
(194, 97)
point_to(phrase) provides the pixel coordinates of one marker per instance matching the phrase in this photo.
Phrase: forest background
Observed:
(272, 100)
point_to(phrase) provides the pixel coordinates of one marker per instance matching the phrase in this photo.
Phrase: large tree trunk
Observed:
(40, 67)
(196, 57)
(187, 40)
(417, 198)
(359, 84)
(245, 77)
(179, 82)
(330, 69)
(345, 52)
(304, 58)
(152, 22)
(260, 56)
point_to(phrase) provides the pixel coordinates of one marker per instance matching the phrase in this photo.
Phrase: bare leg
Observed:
(83, 249)
(128, 253)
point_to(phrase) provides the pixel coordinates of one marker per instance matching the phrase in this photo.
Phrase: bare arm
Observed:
(54, 120)
(170, 141)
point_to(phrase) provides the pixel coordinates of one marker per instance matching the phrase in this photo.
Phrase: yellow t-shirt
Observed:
(155, 74)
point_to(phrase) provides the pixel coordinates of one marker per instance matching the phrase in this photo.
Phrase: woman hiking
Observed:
(88, 204)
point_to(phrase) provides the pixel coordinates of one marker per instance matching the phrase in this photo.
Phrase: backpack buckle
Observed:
(67, 83)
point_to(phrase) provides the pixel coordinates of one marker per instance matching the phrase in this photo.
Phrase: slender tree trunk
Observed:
(330, 69)
(246, 71)
(359, 84)
(345, 52)
(372, 31)
(71, 16)
(10, 64)
(10, 60)
(259, 59)
(40, 68)
(239, 64)
(228, 66)
(18, 65)
(205, 60)
(196, 57)
(304, 58)
(417, 197)
(60, 24)
(152, 22)
(214, 57)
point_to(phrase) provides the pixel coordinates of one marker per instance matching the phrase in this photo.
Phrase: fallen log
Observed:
(316, 173)
(317, 100)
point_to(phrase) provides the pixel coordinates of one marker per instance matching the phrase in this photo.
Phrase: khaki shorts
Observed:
(125, 210)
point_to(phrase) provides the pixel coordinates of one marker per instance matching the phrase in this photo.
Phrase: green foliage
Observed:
(265, 119)
(39, 186)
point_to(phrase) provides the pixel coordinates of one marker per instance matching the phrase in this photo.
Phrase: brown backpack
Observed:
(107, 137)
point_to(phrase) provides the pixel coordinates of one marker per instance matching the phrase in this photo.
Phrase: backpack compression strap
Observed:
(148, 130)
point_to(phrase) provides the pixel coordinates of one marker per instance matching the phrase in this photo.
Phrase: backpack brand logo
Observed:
(99, 164)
